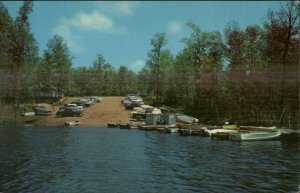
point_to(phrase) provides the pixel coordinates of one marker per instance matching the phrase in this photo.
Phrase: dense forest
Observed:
(246, 75)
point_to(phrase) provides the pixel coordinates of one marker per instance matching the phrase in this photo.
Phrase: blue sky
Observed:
(121, 31)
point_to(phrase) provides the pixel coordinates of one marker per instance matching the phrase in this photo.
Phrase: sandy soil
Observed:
(110, 110)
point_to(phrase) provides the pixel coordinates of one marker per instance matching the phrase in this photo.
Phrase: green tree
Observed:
(205, 52)
(24, 56)
(237, 69)
(102, 81)
(7, 29)
(182, 79)
(127, 81)
(153, 62)
(99, 63)
(109, 80)
(56, 64)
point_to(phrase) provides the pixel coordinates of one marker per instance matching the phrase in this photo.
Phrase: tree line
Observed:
(246, 76)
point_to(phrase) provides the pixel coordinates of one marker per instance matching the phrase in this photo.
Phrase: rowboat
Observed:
(209, 132)
(28, 114)
(255, 136)
(72, 123)
(125, 126)
(113, 125)
(172, 129)
(260, 128)
(220, 135)
(186, 119)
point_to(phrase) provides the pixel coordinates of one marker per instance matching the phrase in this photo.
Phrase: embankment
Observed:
(97, 115)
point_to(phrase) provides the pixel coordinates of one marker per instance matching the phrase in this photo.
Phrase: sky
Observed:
(122, 30)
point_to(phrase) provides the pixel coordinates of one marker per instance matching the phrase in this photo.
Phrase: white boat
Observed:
(171, 129)
(260, 128)
(209, 132)
(28, 114)
(72, 123)
(186, 119)
(255, 136)
(174, 130)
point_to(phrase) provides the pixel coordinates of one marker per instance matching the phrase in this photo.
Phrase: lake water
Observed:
(59, 159)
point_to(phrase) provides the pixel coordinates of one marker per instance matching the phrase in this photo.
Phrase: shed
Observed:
(44, 92)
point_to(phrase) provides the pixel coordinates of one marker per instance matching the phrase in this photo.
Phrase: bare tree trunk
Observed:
(281, 117)
(214, 102)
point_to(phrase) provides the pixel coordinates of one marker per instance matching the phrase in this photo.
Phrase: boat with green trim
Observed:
(255, 136)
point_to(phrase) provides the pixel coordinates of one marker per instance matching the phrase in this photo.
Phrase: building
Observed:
(49, 93)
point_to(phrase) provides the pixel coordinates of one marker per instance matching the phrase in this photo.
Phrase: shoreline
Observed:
(100, 126)
(110, 110)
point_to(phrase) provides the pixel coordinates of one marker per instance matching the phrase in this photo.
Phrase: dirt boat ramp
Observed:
(109, 110)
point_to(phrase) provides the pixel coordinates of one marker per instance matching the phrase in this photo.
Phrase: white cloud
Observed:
(118, 7)
(126, 7)
(138, 65)
(94, 21)
(175, 26)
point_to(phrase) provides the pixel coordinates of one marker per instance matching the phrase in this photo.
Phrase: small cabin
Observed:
(49, 93)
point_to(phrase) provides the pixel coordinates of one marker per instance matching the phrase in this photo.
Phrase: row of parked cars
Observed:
(132, 100)
(76, 108)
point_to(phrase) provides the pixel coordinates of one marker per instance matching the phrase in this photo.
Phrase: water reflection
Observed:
(29, 157)
(50, 159)
(197, 164)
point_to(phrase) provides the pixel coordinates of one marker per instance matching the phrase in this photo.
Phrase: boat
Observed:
(220, 135)
(260, 128)
(186, 119)
(255, 136)
(28, 114)
(125, 126)
(209, 132)
(171, 129)
(112, 125)
(72, 123)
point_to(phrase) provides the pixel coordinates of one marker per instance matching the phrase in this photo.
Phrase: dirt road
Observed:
(98, 115)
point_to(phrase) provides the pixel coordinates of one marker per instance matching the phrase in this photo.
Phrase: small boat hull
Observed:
(171, 129)
(72, 123)
(112, 125)
(209, 132)
(186, 119)
(220, 135)
(255, 136)
(125, 126)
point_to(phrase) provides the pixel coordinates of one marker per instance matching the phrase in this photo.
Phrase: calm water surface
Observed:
(59, 159)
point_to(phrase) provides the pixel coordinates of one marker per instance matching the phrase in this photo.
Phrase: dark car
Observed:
(42, 111)
(69, 112)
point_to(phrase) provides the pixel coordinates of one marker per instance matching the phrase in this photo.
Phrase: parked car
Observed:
(133, 104)
(69, 112)
(84, 102)
(96, 99)
(77, 108)
(87, 102)
(41, 111)
(78, 103)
